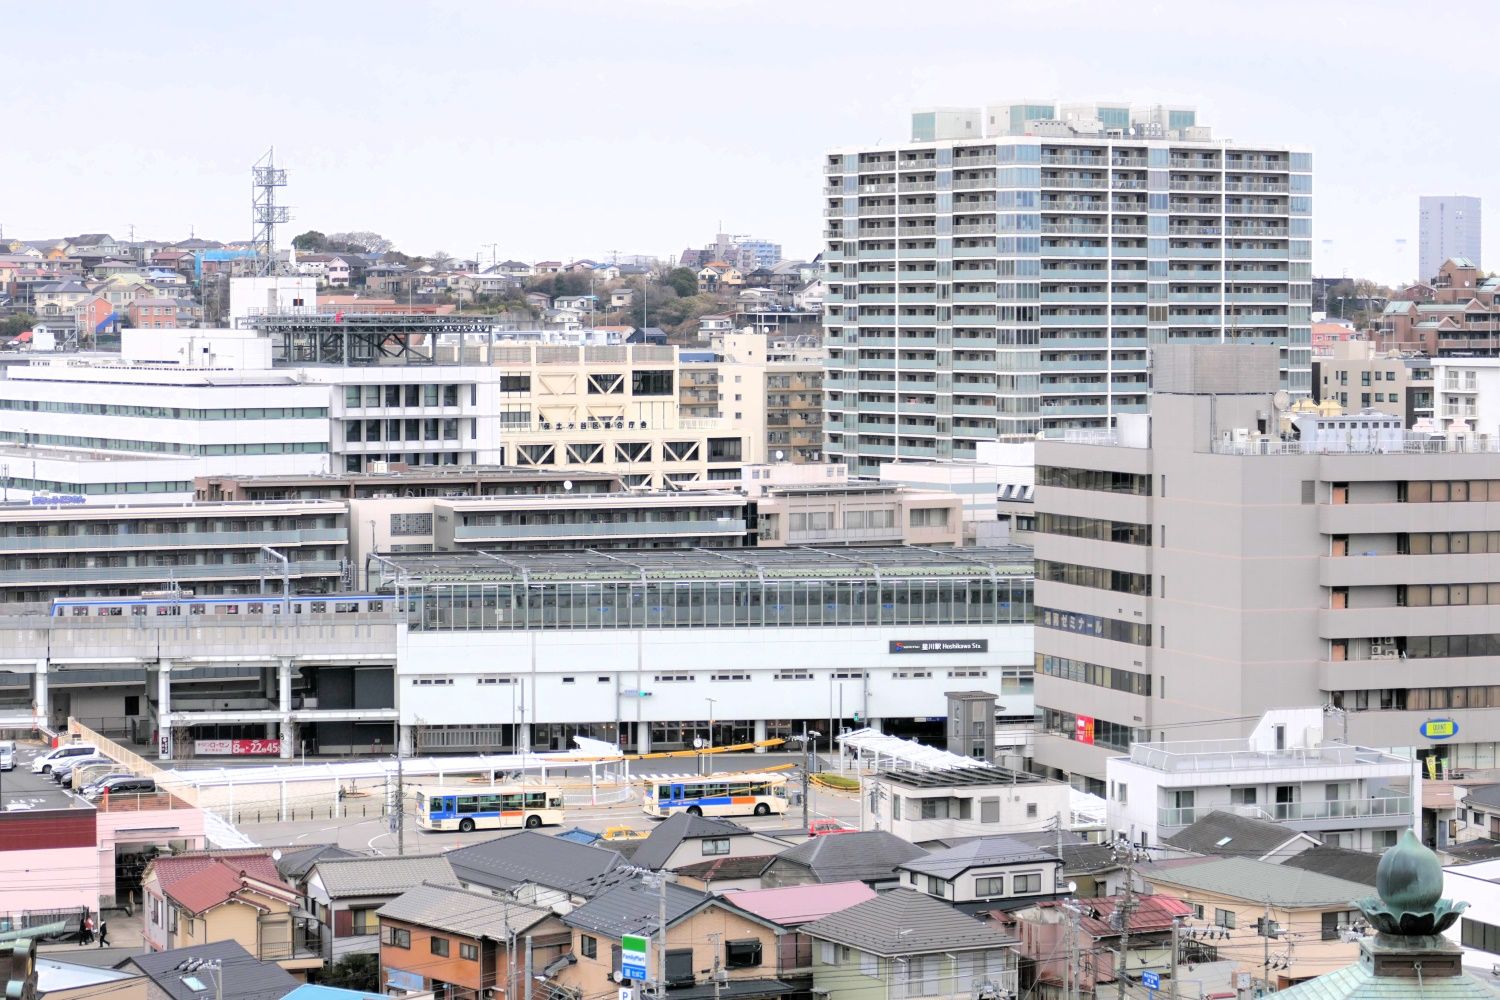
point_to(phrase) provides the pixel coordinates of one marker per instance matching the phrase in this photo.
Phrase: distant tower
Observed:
(265, 213)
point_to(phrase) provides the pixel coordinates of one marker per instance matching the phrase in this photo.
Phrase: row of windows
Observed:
(1100, 732)
(400, 937)
(1416, 699)
(1439, 595)
(97, 489)
(1099, 480)
(1448, 490)
(1082, 672)
(166, 447)
(401, 395)
(1421, 647)
(1094, 625)
(1447, 542)
(1097, 577)
(1093, 528)
(167, 412)
(410, 429)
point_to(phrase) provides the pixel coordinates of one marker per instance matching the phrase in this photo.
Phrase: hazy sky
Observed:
(571, 129)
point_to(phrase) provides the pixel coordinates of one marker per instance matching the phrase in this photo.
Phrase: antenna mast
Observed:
(265, 213)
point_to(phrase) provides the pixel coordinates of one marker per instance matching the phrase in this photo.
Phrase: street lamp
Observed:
(806, 739)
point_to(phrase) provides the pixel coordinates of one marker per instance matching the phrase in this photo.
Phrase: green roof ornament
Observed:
(1409, 881)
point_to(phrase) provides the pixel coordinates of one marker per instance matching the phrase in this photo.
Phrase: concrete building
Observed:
(1346, 796)
(401, 480)
(858, 514)
(1468, 395)
(1197, 569)
(922, 806)
(996, 488)
(1356, 376)
(1004, 272)
(1448, 226)
(761, 382)
(1457, 315)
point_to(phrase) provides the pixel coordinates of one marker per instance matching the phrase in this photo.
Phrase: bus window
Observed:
(742, 789)
(536, 800)
(489, 803)
(664, 791)
(555, 802)
(467, 804)
(511, 802)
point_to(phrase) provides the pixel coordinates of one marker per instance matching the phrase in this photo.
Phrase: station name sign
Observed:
(940, 646)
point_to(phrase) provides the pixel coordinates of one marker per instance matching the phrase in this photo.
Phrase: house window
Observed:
(439, 946)
(1480, 935)
(936, 886)
(1028, 882)
(680, 967)
(363, 921)
(742, 954)
(396, 937)
(588, 945)
(468, 952)
(1224, 918)
(715, 845)
(990, 886)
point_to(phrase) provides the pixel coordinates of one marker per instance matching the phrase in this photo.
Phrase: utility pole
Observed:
(808, 735)
(1265, 930)
(1125, 851)
(1176, 931)
(400, 805)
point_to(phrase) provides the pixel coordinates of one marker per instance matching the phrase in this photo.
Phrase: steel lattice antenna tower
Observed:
(265, 213)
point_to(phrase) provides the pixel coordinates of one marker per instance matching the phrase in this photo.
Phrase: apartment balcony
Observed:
(875, 167)
(924, 163)
(479, 534)
(1240, 232)
(159, 574)
(1213, 185)
(979, 160)
(916, 186)
(1064, 320)
(909, 231)
(833, 168)
(1257, 210)
(977, 183)
(1074, 205)
(1074, 183)
(1268, 253)
(1195, 297)
(1256, 163)
(1127, 184)
(1062, 273)
(1392, 810)
(1098, 296)
(1088, 365)
(868, 210)
(976, 229)
(1195, 230)
(1256, 274)
(875, 298)
(1195, 163)
(1127, 161)
(1074, 160)
(1074, 388)
(1072, 250)
(1051, 409)
(986, 252)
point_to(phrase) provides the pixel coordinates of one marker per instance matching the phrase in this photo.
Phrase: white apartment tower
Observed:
(1005, 272)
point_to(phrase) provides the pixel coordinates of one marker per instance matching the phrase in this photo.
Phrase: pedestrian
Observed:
(88, 930)
(103, 934)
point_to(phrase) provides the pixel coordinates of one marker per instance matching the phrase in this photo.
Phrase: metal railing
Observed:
(1221, 755)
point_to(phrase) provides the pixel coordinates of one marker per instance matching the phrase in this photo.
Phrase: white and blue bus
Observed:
(715, 795)
(497, 807)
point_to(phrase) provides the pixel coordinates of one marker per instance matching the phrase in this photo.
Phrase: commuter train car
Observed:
(153, 604)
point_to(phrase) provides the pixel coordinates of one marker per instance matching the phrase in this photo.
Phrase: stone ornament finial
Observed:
(1409, 881)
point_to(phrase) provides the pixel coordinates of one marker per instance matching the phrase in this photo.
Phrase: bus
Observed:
(497, 807)
(715, 795)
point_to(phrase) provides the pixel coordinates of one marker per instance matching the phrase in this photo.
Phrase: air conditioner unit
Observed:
(380, 467)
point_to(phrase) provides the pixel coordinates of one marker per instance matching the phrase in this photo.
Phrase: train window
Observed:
(297, 609)
(227, 609)
(80, 612)
(375, 605)
(138, 609)
(168, 609)
(345, 607)
(255, 609)
(196, 609)
(318, 607)
(275, 609)
(109, 612)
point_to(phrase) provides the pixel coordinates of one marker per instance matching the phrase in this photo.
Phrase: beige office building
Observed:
(771, 387)
(1194, 569)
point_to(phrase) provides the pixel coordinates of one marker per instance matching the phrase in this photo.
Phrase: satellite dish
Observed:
(567, 484)
(780, 455)
(276, 854)
(1281, 400)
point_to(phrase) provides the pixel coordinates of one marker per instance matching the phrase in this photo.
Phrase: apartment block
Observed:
(1448, 226)
(1457, 315)
(1285, 771)
(1358, 376)
(1197, 568)
(1006, 271)
(758, 381)
(859, 514)
(1468, 391)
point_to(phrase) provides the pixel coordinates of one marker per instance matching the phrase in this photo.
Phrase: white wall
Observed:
(1473, 884)
(282, 293)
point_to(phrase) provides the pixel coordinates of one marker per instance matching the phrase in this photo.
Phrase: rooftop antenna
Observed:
(265, 213)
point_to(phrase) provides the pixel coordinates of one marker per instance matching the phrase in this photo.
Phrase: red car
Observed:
(826, 827)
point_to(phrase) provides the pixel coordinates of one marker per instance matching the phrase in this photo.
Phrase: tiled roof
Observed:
(1260, 881)
(903, 922)
(868, 856)
(672, 831)
(632, 907)
(953, 861)
(296, 863)
(720, 869)
(389, 875)
(1340, 862)
(200, 881)
(460, 911)
(797, 904)
(507, 862)
(242, 976)
(1232, 833)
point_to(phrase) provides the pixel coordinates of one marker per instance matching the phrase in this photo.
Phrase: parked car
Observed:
(95, 782)
(615, 834)
(7, 755)
(827, 827)
(45, 763)
(126, 785)
(62, 772)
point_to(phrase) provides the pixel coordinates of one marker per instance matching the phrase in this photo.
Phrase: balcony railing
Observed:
(1234, 755)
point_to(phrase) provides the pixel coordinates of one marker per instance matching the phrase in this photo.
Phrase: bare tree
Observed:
(368, 241)
(441, 260)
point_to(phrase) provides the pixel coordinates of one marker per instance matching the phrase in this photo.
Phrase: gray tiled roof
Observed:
(1247, 836)
(1340, 862)
(294, 864)
(389, 875)
(904, 922)
(672, 831)
(1260, 881)
(506, 862)
(953, 861)
(632, 907)
(243, 976)
(460, 911)
(869, 856)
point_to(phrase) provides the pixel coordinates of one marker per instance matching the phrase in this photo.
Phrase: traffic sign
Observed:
(1151, 980)
(635, 956)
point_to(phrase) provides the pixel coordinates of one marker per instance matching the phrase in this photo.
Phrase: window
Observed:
(468, 952)
(589, 945)
(990, 886)
(439, 946)
(411, 524)
(1480, 935)
(1031, 810)
(1336, 921)
(680, 967)
(1025, 883)
(651, 383)
(364, 921)
(715, 846)
(1242, 796)
(742, 954)
(1224, 918)
(929, 517)
(396, 937)
(936, 886)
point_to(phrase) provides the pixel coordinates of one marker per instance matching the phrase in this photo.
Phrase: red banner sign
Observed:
(1085, 729)
(237, 748)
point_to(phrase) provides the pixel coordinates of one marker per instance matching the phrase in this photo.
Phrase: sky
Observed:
(560, 130)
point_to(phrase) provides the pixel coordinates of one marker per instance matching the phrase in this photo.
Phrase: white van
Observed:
(43, 764)
(7, 755)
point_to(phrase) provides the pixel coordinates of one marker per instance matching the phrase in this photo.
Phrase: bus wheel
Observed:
(466, 826)
(762, 809)
(533, 821)
(694, 811)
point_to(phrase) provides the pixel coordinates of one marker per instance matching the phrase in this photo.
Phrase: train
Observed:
(164, 604)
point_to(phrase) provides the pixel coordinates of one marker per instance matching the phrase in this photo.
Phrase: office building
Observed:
(1357, 376)
(1449, 227)
(757, 381)
(1287, 771)
(1005, 272)
(1197, 569)
(858, 514)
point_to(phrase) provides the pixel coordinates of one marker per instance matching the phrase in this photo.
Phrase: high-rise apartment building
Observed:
(1449, 228)
(1005, 272)
(1198, 568)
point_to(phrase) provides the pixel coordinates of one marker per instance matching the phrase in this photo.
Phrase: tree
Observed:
(441, 260)
(13, 326)
(362, 241)
(683, 281)
(311, 241)
(352, 972)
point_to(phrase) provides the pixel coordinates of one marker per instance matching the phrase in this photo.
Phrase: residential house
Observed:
(907, 944)
(153, 313)
(1046, 934)
(809, 298)
(920, 806)
(792, 907)
(539, 300)
(725, 874)
(514, 268)
(1220, 832)
(578, 303)
(685, 839)
(536, 869)
(58, 298)
(1236, 894)
(584, 266)
(641, 271)
(345, 893)
(295, 862)
(871, 857)
(621, 298)
(714, 324)
(716, 275)
(234, 974)
(1479, 812)
(464, 945)
(201, 896)
(547, 267)
(94, 245)
(987, 873)
(330, 269)
(95, 313)
(707, 936)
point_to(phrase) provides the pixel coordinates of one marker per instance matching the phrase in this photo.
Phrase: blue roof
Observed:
(579, 835)
(312, 991)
